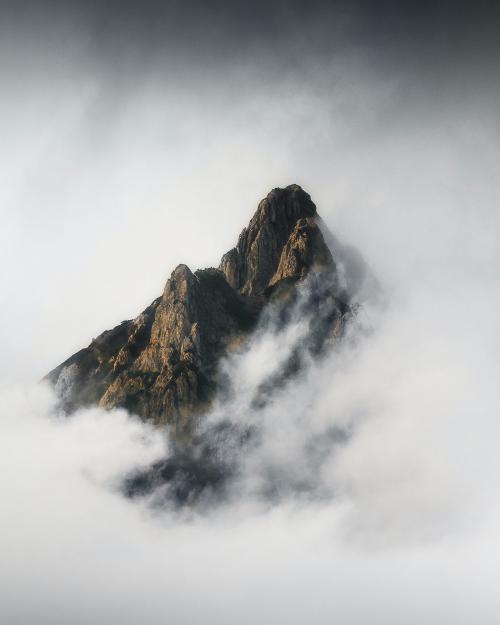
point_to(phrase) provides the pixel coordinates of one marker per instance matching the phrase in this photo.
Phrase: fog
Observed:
(122, 156)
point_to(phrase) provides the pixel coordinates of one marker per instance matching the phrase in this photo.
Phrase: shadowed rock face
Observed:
(163, 365)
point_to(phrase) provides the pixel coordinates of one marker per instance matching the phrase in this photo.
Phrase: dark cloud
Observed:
(224, 29)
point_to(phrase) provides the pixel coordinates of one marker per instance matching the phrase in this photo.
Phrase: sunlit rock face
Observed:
(250, 266)
(164, 364)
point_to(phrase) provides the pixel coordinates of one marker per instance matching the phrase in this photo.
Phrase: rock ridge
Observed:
(163, 365)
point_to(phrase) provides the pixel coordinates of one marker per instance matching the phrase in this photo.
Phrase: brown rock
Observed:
(162, 365)
(250, 266)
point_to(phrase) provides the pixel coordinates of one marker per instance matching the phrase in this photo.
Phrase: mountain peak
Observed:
(164, 364)
(283, 206)
(250, 266)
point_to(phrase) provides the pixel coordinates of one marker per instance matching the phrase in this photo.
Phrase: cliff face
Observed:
(163, 365)
(252, 264)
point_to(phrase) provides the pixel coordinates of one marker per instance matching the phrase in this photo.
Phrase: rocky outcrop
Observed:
(163, 365)
(304, 250)
(251, 265)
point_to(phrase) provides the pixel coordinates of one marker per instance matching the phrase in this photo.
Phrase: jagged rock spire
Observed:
(250, 266)
(163, 364)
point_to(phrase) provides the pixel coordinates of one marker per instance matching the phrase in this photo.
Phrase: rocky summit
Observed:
(164, 364)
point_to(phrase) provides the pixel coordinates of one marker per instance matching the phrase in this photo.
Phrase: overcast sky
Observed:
(136, 136)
